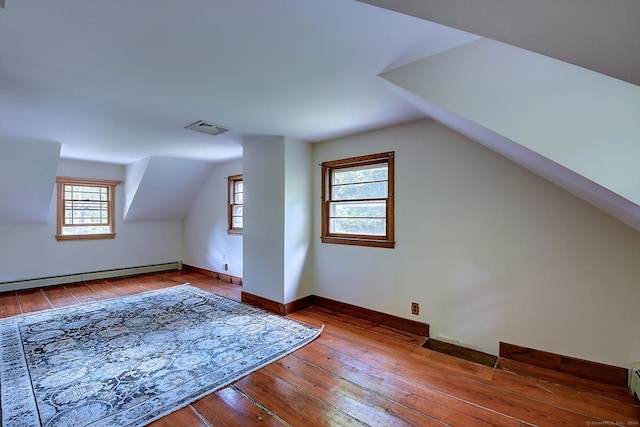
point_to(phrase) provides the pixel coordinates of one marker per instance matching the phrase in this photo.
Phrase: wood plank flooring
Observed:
(358, 373)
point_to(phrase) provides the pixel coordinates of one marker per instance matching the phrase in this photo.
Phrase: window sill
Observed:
(359, 242)
(85, 236)
(234, 232)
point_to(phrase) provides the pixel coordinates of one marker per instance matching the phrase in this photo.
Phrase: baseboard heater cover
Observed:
(461, 352)
(634, 379)
(88, 276)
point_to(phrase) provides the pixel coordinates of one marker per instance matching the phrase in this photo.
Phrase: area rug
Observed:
(131, 360)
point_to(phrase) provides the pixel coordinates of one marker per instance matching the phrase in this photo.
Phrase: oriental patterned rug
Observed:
(131, 360)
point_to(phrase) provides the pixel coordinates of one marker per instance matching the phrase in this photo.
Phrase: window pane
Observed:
(76, 192)
(91, 194)
(103, 229)
(85, 208)
(360, 191)
(235, 211)
(378, 172)
(367, 226)
(358, 200)
(359, 209)
(85, 212)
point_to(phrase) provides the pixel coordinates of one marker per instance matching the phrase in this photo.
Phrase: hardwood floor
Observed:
(358, 373)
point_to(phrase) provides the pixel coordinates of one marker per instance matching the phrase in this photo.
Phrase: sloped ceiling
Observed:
(602, 36)
(308, 69)
(118, 81)
(27, 179)
(162, 188)
(584, 121)
(603, 198)
(576, 127)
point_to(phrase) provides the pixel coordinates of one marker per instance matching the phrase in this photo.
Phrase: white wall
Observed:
(206, 243)
(27, 175)
(164, 190)
(491, 251)
(571, 115)
(298, 215)
(263, 250)
(278, 212)
(133, 173)
(31, 251)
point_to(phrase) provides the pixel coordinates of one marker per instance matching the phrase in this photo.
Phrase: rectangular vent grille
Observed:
(206, 127)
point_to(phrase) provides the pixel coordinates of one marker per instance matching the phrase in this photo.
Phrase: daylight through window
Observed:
(235, 204)
(357, 196)
(85, 208)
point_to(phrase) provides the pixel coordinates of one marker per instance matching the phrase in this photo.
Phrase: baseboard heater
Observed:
(634, 379)
(84, 277)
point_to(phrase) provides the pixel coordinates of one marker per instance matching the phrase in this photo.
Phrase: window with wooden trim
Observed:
(235, 201)
(85, 208)
(357, 201)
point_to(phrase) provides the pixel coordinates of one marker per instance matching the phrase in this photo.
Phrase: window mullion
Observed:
(353, 220)
(86, 208)
(235, 199)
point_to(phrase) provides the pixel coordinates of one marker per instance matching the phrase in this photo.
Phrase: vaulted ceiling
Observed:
(118, 81)
(553, 86)
(602, 36)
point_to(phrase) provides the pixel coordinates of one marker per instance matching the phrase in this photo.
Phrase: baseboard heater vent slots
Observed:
(634, 379)
(461, 352)
(88, 276)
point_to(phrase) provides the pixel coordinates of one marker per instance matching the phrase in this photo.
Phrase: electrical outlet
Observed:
(415, 308)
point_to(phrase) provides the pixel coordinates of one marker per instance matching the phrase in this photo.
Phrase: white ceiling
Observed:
(600, 35)
(117, 81)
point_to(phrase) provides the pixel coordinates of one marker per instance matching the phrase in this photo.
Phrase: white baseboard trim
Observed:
(84, 277)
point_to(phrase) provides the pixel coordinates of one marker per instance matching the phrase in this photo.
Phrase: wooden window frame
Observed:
(231, 191)
(61, 181)
(386, 241)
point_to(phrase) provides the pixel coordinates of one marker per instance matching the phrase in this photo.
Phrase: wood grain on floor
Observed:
(360, 373)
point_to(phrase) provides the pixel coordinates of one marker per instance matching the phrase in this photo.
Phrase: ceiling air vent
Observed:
(206, 127)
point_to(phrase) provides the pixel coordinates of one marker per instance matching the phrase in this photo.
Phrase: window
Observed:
(357, 199)
(234, 202)
(85, 208)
